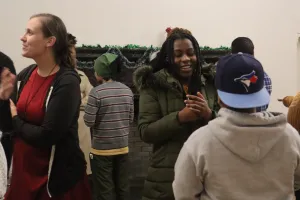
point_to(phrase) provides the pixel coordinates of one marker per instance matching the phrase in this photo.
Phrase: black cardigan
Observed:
(59, 130)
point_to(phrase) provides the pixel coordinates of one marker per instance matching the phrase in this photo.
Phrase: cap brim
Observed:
(260, 98)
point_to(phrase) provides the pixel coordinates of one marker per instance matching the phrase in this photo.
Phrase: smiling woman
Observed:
(185, 57)
(166, 116)
(47, 160)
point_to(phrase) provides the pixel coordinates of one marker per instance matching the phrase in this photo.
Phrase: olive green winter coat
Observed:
(161, 98)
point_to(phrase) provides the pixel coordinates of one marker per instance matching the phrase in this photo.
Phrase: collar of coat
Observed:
(144, 78)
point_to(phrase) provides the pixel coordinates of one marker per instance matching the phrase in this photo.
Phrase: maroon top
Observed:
(30, 164)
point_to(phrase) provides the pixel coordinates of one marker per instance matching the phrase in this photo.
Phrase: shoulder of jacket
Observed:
(25, 73)
(67, 75)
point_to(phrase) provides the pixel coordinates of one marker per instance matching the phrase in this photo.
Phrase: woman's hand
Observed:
(13, 108)
(199, 105)
(187, 115)
(7, 83)
(196, 107)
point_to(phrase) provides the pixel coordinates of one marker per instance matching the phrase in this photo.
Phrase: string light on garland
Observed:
(115, 49)
(118, 51)
(128, 64)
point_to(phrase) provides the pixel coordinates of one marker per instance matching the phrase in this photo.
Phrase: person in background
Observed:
(293, 116)
(176, 98)
(293, 105)
(245, 45)
(6, 142)
(47, 160)
(84, 132)
(109, 111)
(242, 154)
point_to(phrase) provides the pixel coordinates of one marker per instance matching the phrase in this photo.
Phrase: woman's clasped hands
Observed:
(196, 107)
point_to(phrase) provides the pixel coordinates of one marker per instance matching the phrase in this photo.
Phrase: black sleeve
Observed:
(5, 116)
(6, 124)
(61, 111)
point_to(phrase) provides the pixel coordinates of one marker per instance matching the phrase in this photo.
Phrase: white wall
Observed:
(271, 24)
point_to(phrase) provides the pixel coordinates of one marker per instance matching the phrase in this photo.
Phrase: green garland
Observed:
(141, 61)
(134, 46)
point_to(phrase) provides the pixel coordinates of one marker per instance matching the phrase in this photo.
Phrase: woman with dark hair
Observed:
(47, 161)
(176, 98)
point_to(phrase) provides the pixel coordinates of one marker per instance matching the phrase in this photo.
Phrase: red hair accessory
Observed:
(169, 29)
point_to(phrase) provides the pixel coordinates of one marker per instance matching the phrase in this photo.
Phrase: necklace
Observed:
(40, 86)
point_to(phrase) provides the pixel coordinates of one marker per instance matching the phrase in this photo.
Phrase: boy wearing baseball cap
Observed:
(242, 154)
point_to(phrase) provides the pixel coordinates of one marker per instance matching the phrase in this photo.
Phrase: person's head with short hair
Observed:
(240, 83)
(72, 45)
(242, 44)
(107, 67)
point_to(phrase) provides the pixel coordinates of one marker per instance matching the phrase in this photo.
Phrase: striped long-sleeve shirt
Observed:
(268, 86)
(109, 111)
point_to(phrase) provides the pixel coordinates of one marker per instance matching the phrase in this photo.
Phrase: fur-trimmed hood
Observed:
(143, 78)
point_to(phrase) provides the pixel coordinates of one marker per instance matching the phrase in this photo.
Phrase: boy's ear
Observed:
(222, 105)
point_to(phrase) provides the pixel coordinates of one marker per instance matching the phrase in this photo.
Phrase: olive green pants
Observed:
(110, 177)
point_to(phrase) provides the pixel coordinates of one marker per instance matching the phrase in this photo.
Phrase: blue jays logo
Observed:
(247, 79)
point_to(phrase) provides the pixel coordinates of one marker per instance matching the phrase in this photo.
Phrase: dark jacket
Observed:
(59, 130)
(161, 98)
(5, 61)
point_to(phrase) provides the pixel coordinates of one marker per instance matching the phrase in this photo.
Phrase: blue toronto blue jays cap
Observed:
(240, 81)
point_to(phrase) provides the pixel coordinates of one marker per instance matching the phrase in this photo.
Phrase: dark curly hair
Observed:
(72, 39)
(166, 57)
(180, 30)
